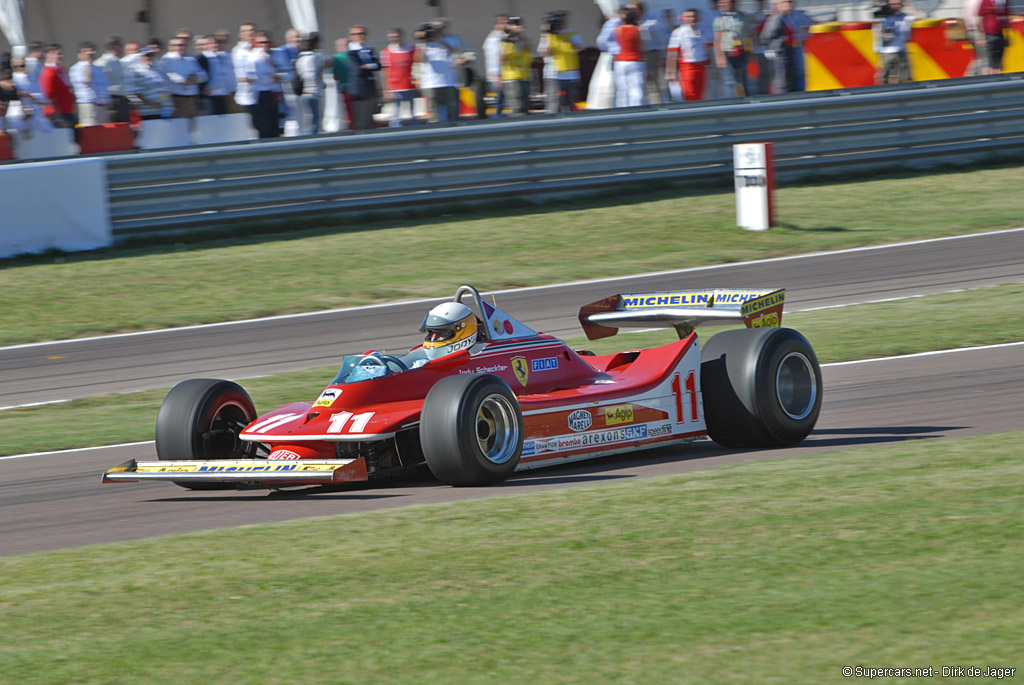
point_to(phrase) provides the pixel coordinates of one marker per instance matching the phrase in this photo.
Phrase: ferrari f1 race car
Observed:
(485, 396)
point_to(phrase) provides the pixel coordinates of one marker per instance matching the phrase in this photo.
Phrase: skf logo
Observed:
(580, 420)
(622, 413)
(521, 370)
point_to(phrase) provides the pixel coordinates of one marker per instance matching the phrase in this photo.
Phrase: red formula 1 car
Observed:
(485, 395)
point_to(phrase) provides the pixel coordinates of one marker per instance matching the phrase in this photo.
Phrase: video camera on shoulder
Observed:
(513, 28)
(428, 31)
(555, 21)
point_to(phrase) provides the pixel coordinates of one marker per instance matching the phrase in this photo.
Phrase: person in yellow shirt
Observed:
(560, 47)
(516, 67)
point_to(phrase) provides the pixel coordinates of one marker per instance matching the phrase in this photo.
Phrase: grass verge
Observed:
(781, 571)
(934, 322)
(388, 259)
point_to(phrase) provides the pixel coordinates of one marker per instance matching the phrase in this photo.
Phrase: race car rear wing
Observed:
(683, 310)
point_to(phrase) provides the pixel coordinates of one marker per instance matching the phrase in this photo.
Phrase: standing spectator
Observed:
(437, 73)
(56, 88)
(396, 62)
(764, 69)
(516, 68)
(993, 16)
(363, 67)
(340, 69)
(655, 32)
(110, 63)
(629, 63)
(562, 45)
(245, 93)
(732, 33)
(713, 75)
(602, 83)
(265, 81)
(687, 60)
(309, 68)
(891, 34)
(284, 57)
(34, 60)
(147, 88)
(90, 84)
(493, 51)
(220, 76)
(185, 75)
(975, 33)
(779, 36)
(803, 31)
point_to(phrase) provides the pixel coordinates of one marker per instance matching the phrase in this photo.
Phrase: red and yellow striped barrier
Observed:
(842, 55)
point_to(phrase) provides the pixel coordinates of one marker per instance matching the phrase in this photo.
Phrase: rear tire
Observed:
(201, 419)
(471, 430)
(761, 387)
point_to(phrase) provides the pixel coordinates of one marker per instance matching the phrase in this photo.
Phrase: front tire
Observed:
(761, 387)
(201, 419)
(471, 430)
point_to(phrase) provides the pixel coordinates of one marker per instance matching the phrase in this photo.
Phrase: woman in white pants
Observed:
(630, 65)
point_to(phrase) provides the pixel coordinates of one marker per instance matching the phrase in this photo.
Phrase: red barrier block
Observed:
(6, 149)
(105, 138)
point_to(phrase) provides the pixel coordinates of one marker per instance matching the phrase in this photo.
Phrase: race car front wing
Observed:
(242, 471)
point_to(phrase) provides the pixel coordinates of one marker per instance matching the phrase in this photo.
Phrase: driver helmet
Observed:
(449, 327)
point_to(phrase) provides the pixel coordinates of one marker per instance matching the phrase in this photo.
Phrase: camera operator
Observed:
(560, 47)
(437, 62)
(516, 67)
(892, 30)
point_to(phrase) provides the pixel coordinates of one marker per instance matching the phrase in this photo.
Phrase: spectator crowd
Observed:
(655, 57)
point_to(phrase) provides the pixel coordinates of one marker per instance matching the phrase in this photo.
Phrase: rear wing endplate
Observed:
(682, 310)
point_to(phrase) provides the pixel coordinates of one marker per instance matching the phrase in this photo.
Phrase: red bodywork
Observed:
(573, 407)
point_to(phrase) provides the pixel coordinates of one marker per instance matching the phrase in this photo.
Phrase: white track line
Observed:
(858, 361)
(283, 317)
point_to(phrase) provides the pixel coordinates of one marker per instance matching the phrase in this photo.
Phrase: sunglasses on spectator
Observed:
(261, 42)
(357, 33)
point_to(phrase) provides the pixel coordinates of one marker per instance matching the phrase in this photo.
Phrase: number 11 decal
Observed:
(691, 391)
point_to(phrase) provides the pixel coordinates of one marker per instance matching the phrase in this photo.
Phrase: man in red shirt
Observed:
(55, 86)
(396, 62)
(994, 16)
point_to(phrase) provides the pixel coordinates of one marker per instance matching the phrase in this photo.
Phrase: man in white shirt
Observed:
(92, 97)
(245, 96)
(492, 63)
(110, 63)
(185, 75)
(437, 73)
(688, 57)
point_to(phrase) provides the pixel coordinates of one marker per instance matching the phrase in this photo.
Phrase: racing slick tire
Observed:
(761, 387)
(201, 419)
(471, 430)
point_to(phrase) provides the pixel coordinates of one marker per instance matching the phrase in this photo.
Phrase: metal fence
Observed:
(814, 133)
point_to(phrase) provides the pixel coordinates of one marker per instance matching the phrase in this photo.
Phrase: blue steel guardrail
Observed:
(831, 131)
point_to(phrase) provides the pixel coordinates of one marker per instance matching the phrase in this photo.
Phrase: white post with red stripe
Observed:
(755, 185)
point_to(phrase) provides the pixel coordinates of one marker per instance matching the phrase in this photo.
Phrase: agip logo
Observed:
(580, 420)
(521, 369)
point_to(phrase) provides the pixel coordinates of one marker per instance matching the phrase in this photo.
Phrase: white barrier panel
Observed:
(161, 133)
(57, 142)
(222, 128)
(60, 204)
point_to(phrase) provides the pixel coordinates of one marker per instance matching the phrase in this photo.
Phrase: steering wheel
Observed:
(384, 360)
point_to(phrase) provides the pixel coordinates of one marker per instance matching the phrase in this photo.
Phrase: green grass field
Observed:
(137, 288)
(780, 571)
(914, 325)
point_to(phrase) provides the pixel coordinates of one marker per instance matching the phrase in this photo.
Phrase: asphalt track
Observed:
(56, 501)
(65, 370)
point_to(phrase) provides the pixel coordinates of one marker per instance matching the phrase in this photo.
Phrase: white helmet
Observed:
(449, 327)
